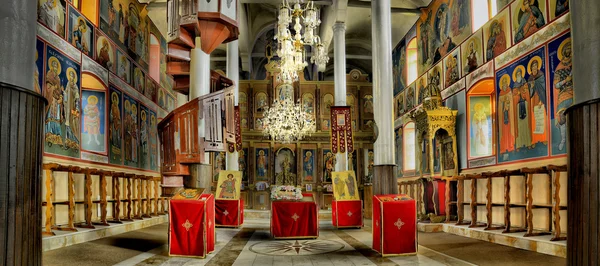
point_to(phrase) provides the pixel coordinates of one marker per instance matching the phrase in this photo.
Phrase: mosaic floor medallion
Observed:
(295, 247)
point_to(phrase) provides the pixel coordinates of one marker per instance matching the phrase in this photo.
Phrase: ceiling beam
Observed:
(277, 2)
(364, 4)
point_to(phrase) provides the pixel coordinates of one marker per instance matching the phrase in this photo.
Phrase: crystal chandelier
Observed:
(287, 122)
(291, 47)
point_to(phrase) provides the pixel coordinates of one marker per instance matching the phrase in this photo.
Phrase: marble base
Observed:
(265, 214)
(540, 244)
(63, 238)
(430, 227)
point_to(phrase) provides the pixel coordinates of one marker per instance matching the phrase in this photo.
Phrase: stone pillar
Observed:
(21, 137)
(339, 64)
(384, 180)
(233, 72)
(199, 86)
(583, 148)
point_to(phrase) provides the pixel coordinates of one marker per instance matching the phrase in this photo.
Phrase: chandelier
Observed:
(287, 122)
(291, 46)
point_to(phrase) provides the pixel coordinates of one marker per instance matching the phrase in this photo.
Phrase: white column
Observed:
(233, 73)
(382, 81)
(339, 64)
(200, 82)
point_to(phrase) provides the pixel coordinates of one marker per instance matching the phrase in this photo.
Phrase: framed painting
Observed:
(528, 16)
(496, 35)
(472, 53)
(93, 133)
(561, 92)
(262, 164)
(229, 185)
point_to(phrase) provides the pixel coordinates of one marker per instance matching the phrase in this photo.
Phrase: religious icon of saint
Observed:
(228, 188)
(52, 14)
(91, 119)
(481, 128)
(115, 121)
(36, 76)
(472, 62)
(563, 88)
(72, 110)
(104, 54)
(522, 101)
(562, 6)
(350, 184)
(339, 187)
(507, 116)
(531, 19)
(55, 111)
(497, 41)
(537, 88)
(261, 164)
(329, 165)
(308, 166)
(78, 36)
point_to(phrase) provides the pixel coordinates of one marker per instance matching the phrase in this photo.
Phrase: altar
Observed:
(295, 218)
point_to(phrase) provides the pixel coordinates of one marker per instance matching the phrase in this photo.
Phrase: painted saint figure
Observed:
(153, 139)
(339, 187)
(562, 6)
(481, 128)
(507, 116)
(497, 41)
(134, 133)
(329, 165)
(308, 166)
(104, 55)
(52, 14)
(79, 38)
(261, 164)
(144, 138)
(472, 63)
(350, 184)
(522, 103)
(55, 110)
(531, 19)
(127, 124)
(91, 119)
(563, 89)
(72, 110)
(451, 71)
(115, 121)
(228, 188)
(537, 89)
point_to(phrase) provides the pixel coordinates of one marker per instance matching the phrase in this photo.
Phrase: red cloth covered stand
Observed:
(229, 213)
(347, 213)
(294, 219)
(394, 225)
(192, 227)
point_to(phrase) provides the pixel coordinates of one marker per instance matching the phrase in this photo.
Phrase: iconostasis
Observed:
(308, 163)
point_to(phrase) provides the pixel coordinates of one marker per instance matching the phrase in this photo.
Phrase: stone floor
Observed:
(252, 245)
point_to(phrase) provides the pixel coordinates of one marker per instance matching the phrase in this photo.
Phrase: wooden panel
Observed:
(583, 173)
(20, 169)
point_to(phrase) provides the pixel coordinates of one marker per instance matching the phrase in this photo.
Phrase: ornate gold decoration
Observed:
(399, 223)
(187, 225)
(295, 217)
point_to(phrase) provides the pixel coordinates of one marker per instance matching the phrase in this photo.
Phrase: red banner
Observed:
(237, 146)
(341, 129)
(294, 219)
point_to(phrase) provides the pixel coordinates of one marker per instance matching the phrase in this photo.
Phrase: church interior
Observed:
(299, 132)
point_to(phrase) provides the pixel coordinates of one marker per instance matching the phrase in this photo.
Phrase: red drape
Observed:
(229, 212)
(347, 213)
(394, 225)
(291, 219)
(187, 228)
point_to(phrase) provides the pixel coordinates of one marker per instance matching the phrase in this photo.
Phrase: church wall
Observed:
(111, 68)
(498, 53)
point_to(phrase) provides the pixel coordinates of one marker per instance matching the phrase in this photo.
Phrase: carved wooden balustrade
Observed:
(139, 199)
(552, 204)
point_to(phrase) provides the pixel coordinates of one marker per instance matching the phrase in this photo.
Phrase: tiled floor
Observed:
(252, 245)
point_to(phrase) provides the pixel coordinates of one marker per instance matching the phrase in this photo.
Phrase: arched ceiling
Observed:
(257, 19)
